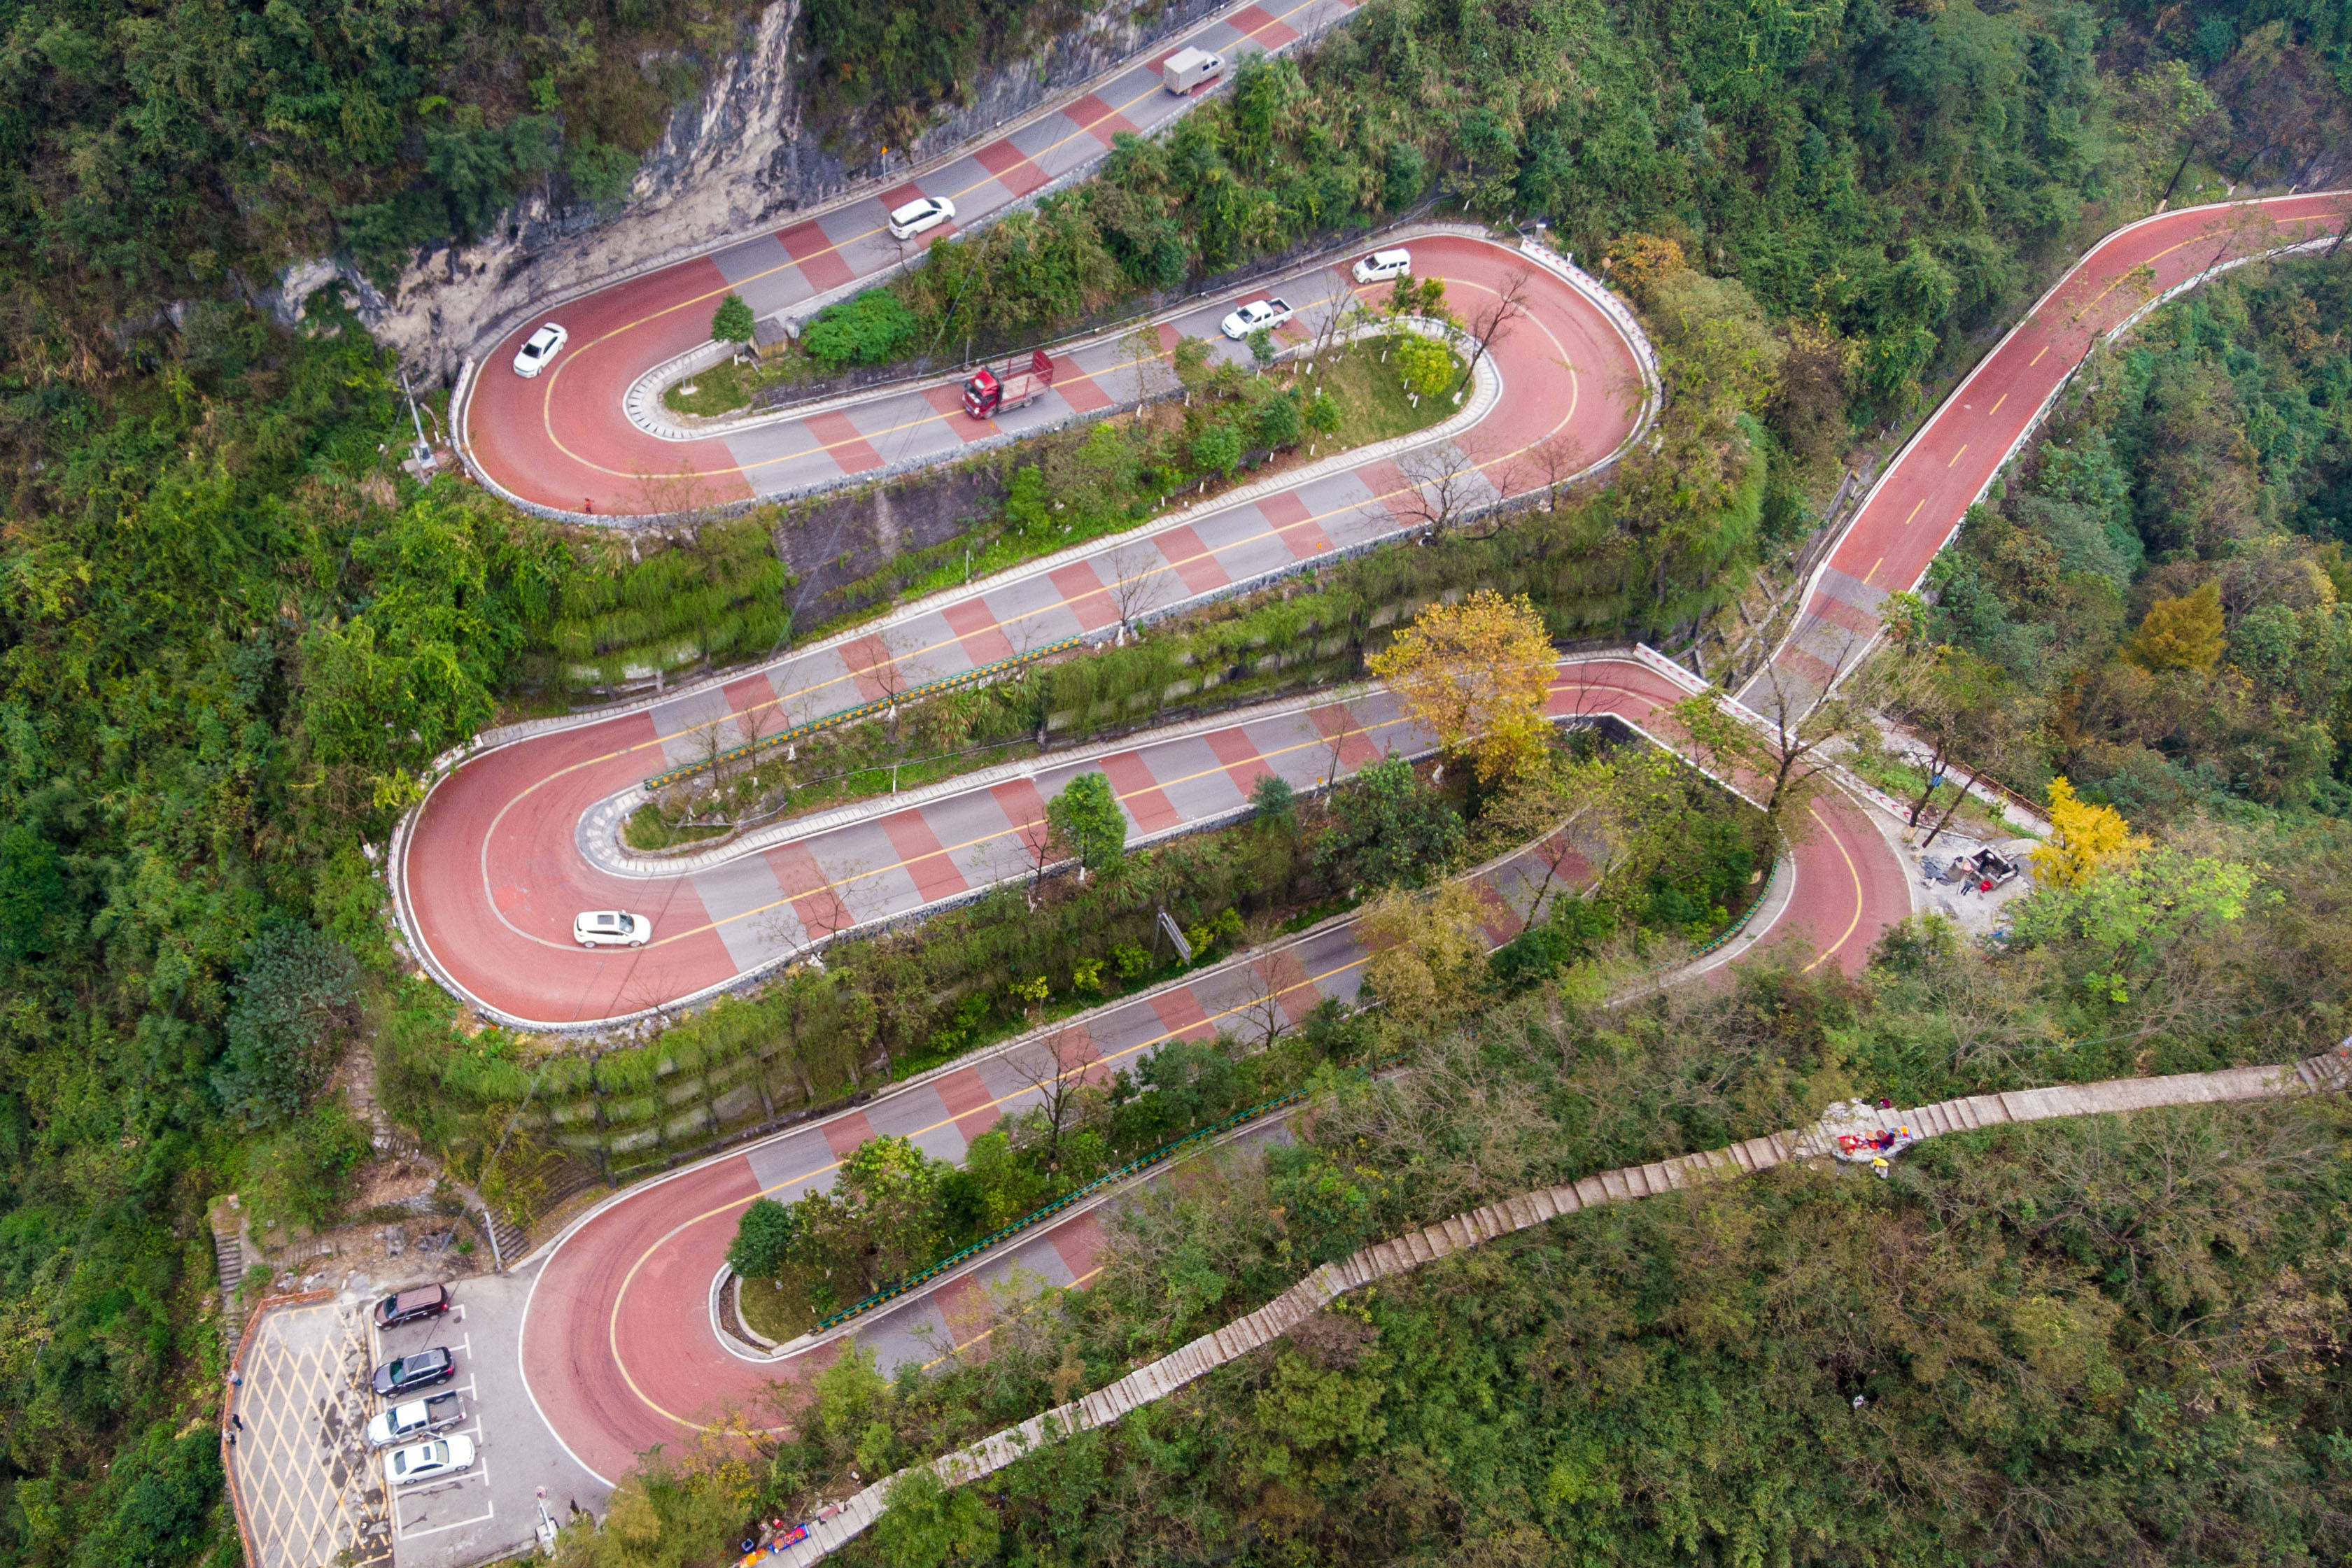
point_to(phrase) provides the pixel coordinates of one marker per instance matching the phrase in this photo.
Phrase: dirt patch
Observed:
(385, 1182)
(832, 544)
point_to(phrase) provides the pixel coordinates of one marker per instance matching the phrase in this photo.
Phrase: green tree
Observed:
(1274, 801)
(1424, 364)
(1388, 829)
(1087, 817)
(296, 997)
(732, 322)
(764, 1239)
(1278, 421)
(1217, 449)
(929, 1525)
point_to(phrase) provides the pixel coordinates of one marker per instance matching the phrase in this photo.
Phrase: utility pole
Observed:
(424, 452)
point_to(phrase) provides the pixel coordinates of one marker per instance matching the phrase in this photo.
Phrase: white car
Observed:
(542, 346)
(1257, 315)
(1383, 265)
(611, 928)
(922, 213)
(429, 1462)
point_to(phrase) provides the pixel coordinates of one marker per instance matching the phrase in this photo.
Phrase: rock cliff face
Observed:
(742, 157)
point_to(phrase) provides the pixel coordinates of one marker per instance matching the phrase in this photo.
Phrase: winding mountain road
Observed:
(564, 442)
(618, 1346)
(514, 840)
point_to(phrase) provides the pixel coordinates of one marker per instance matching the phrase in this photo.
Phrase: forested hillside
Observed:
(231, 632)
(2155, 606)
(2070, 1342)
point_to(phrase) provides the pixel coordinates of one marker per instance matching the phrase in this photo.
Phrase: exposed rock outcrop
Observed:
(742, 157)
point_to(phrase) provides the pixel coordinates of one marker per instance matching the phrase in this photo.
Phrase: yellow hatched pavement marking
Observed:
(302, 1517)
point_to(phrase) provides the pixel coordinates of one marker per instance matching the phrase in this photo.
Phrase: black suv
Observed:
(412, 1306)
(421, 1370)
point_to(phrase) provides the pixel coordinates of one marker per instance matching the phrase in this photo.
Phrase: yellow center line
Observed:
(613, 1334)
(1175, 565)
(2037, 358)
(953, 1351)
(1873, 569)
(547, 404)
(1996, 405)
(1956, 456)
(1915, 511)
(1852, 871)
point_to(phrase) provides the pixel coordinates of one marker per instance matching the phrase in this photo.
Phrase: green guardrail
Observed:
(863, 710)
(1166, 1152)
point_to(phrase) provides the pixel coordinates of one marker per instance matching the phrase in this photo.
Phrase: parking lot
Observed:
(312, 1489)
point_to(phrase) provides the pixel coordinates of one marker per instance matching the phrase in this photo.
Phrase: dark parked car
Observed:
(422, 1370)
(412, 1306)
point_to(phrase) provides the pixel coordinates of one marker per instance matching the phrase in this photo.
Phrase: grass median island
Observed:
(721, 389)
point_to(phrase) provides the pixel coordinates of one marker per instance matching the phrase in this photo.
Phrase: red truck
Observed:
(989, 393)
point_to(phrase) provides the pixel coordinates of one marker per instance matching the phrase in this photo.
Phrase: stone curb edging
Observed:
(600, 828)
(499, 735)
(642, 401)
(2330, 1072)
(1270, 1113)
(1487, 392)
(460, 403)
(2041, 414)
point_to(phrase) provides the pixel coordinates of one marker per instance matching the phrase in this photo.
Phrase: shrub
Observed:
(867, 330)
(1278, 421)
(300, 1176)
(1217, 450)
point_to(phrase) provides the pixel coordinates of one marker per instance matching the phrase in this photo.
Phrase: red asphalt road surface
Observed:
(617, 1345)
(494, 872)
(1914, 507)
(562, 439)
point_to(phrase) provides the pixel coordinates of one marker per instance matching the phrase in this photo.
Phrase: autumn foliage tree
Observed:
(2183, 634)
(1475, 672)
(2085, 838)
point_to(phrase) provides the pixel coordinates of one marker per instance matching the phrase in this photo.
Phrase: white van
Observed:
(1188, 69)
(1383, 265)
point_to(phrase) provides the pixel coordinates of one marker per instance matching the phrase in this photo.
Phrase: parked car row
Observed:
(410, 1464)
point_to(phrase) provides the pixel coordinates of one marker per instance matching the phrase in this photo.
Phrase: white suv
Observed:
(922, 213)
(611, 928)
(429, 1462)
(543, 346)
(1383, 265)
(1259, 315)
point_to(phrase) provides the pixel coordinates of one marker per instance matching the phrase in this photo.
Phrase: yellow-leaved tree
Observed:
(2183, 634)
(1477, 673)
(2085, 840)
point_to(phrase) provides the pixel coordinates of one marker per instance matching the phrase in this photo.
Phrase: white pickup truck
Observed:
(403, 1422)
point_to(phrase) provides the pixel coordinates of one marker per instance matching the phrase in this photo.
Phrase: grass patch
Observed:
(723, 389)
(1980, 817)
(1373, 407)
(781, 1309)
(1373, 404)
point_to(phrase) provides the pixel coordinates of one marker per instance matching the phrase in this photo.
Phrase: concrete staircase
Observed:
(228, 1228)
